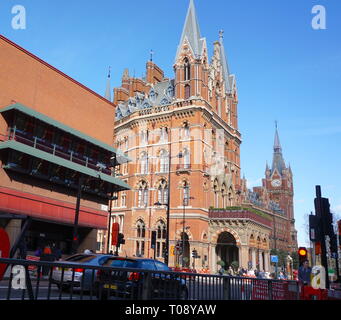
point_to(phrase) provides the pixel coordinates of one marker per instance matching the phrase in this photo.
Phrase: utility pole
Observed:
(75, 238)
(320, 214)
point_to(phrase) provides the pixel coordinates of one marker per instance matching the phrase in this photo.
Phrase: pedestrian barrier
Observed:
(32, 258)
(65, 281)
(309, 293)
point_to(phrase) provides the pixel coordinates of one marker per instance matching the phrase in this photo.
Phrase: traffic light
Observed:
(120, 239)
(315, 228)
(302, 255)
(327, 217)
(194, 254)
(333, 244)
(339, 231)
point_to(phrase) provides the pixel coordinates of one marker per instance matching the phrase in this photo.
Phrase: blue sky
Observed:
(286, 70)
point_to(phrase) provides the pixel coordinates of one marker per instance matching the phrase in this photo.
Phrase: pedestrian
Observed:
(230, 271)
(221, 271)
(256, 272)
(22, 250)
(47, 250)
(48, 257)
(56, 252)
(304, 273)
(38, 252)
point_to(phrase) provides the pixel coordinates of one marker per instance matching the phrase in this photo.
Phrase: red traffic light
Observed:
(302, 252)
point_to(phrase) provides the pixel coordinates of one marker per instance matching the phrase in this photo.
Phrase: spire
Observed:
(108, 89)
(191, 32)
(225, 66)
(277, 144)
(278, 161)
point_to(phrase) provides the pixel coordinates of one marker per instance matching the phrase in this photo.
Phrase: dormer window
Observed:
(164, 102)
(152, 95)
(170, 92)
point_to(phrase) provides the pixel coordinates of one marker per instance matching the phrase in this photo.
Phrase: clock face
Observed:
(276, 183)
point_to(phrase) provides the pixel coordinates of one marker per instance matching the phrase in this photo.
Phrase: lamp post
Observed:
(75, 226)
(185, 203)
(180, 155)
(75, 238)
(112, 198)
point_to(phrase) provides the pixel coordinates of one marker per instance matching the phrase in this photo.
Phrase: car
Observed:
(76, 276)
(129, 284)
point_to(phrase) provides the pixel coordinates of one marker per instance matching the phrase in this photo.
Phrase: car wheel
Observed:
(183, 294)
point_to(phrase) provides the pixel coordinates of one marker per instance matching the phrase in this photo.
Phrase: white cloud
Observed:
(337, 209)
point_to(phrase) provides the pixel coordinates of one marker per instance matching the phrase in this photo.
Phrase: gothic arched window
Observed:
(164, 161)
(187, 159)
(142, 194)
(186, 196)
(141, 235)
(187, 68)
(144, 165)
(187, 91)
(163, 192)
(161, 238)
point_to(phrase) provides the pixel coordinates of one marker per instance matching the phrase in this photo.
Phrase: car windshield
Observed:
(81, 258)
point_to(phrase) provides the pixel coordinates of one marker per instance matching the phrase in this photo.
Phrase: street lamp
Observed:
(180, 155)
(75, 238)
(185, 202)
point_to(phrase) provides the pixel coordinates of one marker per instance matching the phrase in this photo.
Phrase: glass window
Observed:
(81, 258)
(147, 265)
(187, 91)
(121, 263)
(161, 266)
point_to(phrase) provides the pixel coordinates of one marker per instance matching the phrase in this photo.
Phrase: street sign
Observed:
(274, 259)
(4, 250)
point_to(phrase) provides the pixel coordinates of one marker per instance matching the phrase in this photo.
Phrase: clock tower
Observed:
(279, 184)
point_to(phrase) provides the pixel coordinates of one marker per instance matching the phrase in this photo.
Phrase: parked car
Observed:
(129, 284)
(82, 277)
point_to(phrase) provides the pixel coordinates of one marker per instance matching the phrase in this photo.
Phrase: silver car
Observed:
(76, 276)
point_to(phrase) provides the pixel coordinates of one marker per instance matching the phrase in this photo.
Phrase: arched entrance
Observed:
(226, 249)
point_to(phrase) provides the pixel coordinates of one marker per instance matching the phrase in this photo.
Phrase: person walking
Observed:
(304, 273)
(56, 252)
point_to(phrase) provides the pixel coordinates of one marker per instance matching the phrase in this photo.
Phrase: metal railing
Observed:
(54, 149)
(37, 280)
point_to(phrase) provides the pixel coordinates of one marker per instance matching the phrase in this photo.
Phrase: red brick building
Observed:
(183, 138)
(53, 132)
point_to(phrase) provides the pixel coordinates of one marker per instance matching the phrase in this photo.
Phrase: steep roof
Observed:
(278, 160)
(191, 32)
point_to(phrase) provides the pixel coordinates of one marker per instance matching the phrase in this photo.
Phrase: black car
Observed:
(131, 283)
